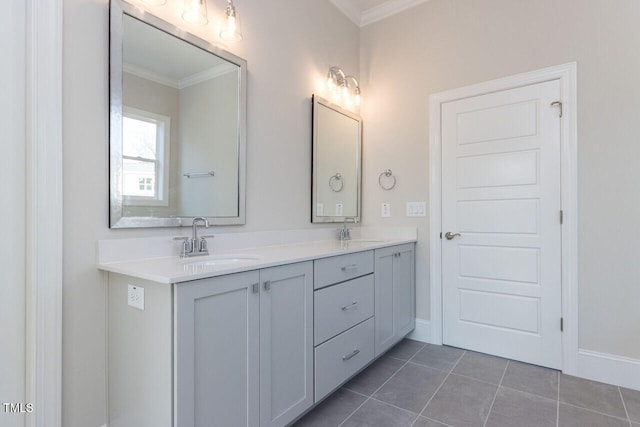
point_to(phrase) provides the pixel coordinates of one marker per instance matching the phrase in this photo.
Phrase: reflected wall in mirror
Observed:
(177, 125)
(337, 141)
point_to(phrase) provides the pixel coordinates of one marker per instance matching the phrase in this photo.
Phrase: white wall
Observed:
(446, 44)
(289, 46)
(13, 176)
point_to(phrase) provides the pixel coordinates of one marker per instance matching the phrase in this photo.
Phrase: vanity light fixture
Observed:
(155, 2)
(195, 12)
(338, 81)
(230, 30)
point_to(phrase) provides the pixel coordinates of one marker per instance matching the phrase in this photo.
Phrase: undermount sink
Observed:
(365, 240)
(213, 260)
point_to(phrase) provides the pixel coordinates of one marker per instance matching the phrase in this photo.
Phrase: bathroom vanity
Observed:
(255, 337)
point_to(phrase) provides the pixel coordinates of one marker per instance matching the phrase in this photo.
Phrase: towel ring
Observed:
(336, 183)
(386, 174)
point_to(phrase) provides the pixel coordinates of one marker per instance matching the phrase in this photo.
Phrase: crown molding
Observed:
(191, 80)
(209, 74)
(387, 9)
(350, 10)
(376, 13)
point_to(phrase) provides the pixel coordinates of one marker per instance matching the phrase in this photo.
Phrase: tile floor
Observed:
(424, 385)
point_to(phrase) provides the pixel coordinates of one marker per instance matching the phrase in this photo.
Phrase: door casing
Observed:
(567, 74)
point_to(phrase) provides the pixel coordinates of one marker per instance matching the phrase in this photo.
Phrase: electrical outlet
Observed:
(135, 297)
(416, 208)
(386, 210)
(319, 209)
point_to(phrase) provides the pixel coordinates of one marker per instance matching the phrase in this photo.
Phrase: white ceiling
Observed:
(161, 57)
(365, 12)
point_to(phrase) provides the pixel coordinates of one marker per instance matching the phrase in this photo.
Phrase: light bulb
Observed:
(345, 91)
(195, 12)
(230, 24)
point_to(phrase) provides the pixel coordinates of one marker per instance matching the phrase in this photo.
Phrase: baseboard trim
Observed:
(592, 365)
(608, 368)
(422, 332)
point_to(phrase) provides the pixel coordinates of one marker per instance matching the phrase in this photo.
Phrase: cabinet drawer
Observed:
(341, 357)
(327, 271)
(339, 307)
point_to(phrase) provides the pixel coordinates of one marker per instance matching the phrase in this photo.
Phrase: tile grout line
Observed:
(383, 384)
(440, 386)
(393, 406)
(594, 411)
(558, 403)
(495, 396)
(624, 405)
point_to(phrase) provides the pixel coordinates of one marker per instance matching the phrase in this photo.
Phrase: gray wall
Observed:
(209, 141)
(13, 176)
(446, 44)
(289, 46)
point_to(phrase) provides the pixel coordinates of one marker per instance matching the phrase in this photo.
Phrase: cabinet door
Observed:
(384, 299)
(286, 343)
(217, 352)
(404, 284)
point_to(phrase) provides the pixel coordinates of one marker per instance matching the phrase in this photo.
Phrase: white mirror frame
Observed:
(118, 9)
(316, 100)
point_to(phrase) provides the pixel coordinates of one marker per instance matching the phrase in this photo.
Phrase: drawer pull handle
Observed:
(351, 355)
(349, 267)
(350, 306)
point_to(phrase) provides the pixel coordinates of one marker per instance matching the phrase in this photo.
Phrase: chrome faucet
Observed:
(345, 233)
(195, 246)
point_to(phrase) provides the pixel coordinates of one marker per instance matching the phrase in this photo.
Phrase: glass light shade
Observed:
(155, 2)
(195, 12)
(230, 24)
(345, 91)
(358, 99)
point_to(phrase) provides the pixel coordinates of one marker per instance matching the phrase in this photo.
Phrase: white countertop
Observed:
(172, 269)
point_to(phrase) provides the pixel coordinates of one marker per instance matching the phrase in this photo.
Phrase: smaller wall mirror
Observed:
(337, 147)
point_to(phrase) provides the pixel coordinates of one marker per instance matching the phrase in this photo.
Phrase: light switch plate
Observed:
(339, 209)
(416, 208)
(135, 297)
(386, 210)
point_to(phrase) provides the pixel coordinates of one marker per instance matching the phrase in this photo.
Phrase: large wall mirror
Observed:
(177, 125)
(337, 147)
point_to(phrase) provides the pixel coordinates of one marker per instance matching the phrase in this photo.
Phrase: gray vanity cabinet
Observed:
(217, 354)
(244, 348)
(286, 343)
(254, 348)
(394, 295)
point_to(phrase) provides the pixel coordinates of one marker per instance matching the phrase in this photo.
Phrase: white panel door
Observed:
(501, 276)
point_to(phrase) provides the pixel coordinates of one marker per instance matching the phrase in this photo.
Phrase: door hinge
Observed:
(559, 104)
(562, 324)
(561, 217)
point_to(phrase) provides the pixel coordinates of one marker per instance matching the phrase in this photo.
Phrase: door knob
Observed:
(449, 235)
